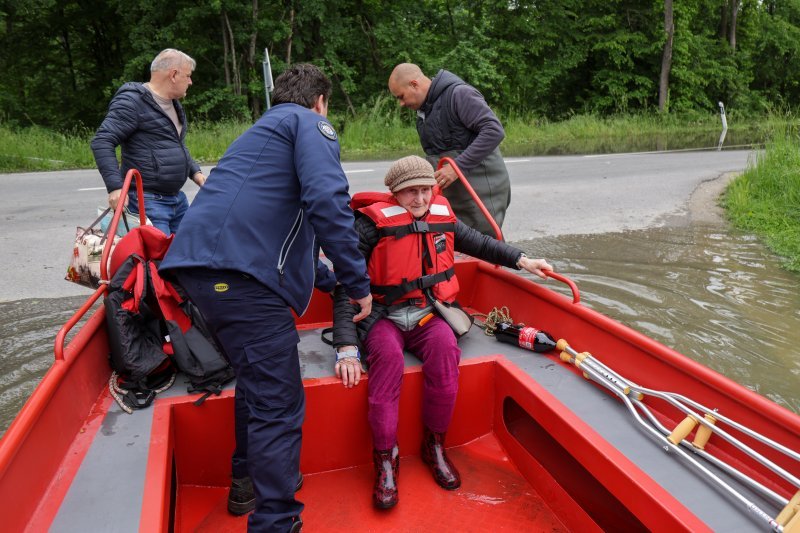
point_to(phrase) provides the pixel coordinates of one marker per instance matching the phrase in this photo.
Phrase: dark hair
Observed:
(301, 84)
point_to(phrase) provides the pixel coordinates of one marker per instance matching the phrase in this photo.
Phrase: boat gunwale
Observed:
(710, 378)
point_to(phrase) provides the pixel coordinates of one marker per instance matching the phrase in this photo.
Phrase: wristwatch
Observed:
(521, 256)
(344, 354)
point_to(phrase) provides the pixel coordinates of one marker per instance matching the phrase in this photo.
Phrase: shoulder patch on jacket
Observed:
(327, 130)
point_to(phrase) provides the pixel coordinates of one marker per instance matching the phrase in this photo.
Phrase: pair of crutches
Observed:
(631, 394)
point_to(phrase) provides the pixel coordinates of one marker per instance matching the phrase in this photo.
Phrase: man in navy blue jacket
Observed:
(247, 254)
(148, 122)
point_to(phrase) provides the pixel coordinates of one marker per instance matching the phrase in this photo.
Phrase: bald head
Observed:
(405, 72)
(409, 85)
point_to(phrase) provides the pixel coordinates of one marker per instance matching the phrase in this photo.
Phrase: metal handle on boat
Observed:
(112, 228)
(62, 333)
(576, 295)
(471, 191)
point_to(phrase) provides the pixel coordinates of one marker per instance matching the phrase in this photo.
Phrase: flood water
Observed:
(641, 142)
(715, 295)
(711, 293)
(27, 332)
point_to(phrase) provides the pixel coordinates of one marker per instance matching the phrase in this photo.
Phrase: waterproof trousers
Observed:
(256, 330)
(491, 183)
(435, 345)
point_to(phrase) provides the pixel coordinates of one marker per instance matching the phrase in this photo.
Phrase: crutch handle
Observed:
(704, 433)
(682, 430)
(790, 512)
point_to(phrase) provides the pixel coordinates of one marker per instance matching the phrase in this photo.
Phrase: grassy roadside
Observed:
(765, 199)
(385, 133)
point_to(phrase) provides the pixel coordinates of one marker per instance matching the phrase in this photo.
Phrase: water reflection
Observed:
(27, 331)
(720, 298)
(654, 142)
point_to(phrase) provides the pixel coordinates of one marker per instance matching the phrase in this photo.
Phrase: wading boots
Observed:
(433, 455)
(387, 469)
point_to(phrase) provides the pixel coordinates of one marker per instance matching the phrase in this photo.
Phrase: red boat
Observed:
(616, 432)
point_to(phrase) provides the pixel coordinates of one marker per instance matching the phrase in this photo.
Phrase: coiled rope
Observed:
(496, 316)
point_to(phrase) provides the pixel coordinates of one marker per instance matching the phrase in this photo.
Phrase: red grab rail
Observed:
(472, 193)
(576, 296)
(112, 231)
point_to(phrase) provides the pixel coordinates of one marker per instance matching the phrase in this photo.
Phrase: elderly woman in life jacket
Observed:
(408, 238)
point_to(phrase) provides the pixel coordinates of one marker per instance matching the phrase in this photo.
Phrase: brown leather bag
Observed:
(459, 320)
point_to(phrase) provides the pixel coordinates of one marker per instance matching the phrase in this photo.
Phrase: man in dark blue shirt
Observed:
(247, 255)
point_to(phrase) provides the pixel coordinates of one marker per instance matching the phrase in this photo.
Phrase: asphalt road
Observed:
(551, 196)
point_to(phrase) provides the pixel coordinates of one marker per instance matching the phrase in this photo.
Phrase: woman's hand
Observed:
(534, 266)
(348, 369)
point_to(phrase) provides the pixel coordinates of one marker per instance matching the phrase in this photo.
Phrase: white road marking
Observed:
(93, 189)
(359, 171)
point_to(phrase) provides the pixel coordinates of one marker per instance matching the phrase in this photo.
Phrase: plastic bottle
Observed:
(525, 337)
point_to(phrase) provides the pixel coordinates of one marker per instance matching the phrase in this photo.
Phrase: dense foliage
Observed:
(62, 60)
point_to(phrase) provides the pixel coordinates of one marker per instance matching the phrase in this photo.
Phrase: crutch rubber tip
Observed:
(703, 433)
(682, 430)
(792, 509)
(562, 344)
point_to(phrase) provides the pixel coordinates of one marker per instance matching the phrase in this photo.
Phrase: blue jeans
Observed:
(163, 210)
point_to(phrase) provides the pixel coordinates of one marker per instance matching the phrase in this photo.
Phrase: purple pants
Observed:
(435, 345)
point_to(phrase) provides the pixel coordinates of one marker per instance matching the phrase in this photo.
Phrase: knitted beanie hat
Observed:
(407, 172)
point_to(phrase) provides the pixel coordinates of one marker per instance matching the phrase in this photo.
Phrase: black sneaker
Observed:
(297, 525)
(242, 498)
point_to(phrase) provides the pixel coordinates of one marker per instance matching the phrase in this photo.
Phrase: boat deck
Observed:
(491, 484)
(529, 439)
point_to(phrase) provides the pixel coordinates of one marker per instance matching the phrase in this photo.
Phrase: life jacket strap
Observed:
(395, 292)
(418, 226)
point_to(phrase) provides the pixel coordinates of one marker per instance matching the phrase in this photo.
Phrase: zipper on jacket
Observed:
(287, 244)
(314, 272)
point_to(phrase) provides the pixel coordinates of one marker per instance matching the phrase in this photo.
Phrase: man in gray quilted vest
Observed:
(148, 122)
(454, 120)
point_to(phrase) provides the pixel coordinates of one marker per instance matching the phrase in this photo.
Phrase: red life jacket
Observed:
(412, 256)
(143, 310)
